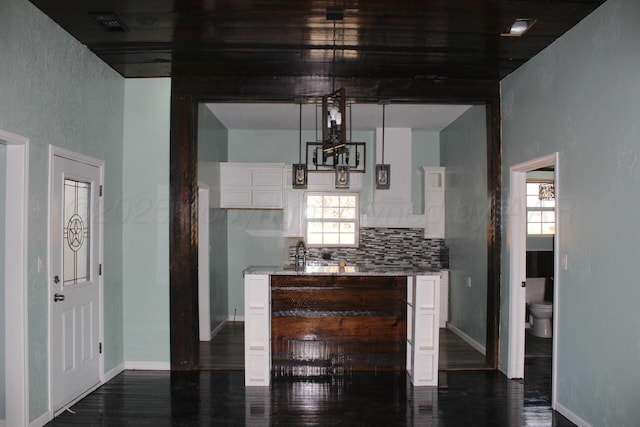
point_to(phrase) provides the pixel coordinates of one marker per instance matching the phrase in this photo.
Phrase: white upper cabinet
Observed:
(433, 207)
(251, 185)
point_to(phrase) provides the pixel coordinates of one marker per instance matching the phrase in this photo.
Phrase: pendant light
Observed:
(299, 170)
(383, 171)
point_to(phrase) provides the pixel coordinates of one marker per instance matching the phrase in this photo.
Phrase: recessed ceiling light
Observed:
(109, 21)
(519, 27)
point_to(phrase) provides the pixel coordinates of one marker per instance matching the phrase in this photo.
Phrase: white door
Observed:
(75, 283)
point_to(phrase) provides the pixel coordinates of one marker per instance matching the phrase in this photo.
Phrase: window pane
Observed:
(548, 203)
(548, 228)
(331, 227)
(548, 216)
(348, 213)
(314, 200)
(314, 238)
(347, 227)
(534, 216)
(347, 239)
(331, 213)
(314, 212)
(331, 238)
(314, 227)
(348, 201)
(332, 201)
(533, 188)
(533, 201)
(533, 228)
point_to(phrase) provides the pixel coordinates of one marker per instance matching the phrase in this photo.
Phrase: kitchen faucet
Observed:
(302, 246)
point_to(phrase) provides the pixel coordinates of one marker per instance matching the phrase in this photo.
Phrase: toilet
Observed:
(540, 311)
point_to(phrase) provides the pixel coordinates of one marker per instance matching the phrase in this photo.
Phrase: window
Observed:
(541, 216)
(332, 219)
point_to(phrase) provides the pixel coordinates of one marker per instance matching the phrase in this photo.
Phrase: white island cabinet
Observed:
(423, 308)
(257, 330)
(423, 332)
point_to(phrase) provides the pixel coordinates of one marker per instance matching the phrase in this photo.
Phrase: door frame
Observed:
(204, 282)
(517, 235)
(99, 221)
(15, 304)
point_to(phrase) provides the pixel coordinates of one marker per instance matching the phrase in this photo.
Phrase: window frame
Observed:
(540, 209)
(356, 220)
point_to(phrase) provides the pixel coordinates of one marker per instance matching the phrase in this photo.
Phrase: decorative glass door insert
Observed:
(76, 248)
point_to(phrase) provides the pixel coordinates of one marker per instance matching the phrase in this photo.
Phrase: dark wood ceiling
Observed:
(244, 44)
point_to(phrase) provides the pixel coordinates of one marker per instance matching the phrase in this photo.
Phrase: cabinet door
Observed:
(235, 198)
(425, 331)
(257, 336)
(266, 198)
(269, 177)
(434, 214)
(292, 213)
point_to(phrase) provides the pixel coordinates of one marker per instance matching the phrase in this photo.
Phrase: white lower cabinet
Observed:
(257, 340)
(423, 333)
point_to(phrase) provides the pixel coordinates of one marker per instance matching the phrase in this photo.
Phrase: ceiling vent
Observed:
(109, 21)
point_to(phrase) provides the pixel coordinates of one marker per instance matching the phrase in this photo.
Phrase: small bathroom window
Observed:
(541, 216)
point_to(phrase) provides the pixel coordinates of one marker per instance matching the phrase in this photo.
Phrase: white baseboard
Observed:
(147, 366)
(571, 416)
(110, 374)
(473, 343)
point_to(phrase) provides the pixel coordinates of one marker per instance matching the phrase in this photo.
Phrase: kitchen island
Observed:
(330, 321)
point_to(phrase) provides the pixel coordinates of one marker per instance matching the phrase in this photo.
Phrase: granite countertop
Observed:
(334, 270)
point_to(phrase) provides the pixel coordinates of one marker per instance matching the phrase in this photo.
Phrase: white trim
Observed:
(112, 373)
(16, 337)
(204, 281)
(571, 416)
(55, 151)
(473, 343)
(516, 234)
(147, 366)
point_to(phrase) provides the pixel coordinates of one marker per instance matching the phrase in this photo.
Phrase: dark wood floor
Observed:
(216, 395)
(226, 351)
(207, 398)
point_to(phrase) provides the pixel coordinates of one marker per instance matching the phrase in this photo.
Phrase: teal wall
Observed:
(425, 151)
(146, 220)
(463, 153)
(213, 146)
(54, 91)
(3, 195)
(580, 97)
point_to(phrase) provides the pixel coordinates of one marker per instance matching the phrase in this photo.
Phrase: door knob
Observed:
(56, 279)
(58, 297)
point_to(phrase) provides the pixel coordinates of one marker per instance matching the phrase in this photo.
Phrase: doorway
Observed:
(75, 254)
(13, 281)
(517, 235)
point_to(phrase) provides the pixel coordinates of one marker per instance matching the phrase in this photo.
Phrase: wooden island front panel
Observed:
(333, 325)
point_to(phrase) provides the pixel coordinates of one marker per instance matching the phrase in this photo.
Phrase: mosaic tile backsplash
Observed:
(398, 247)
